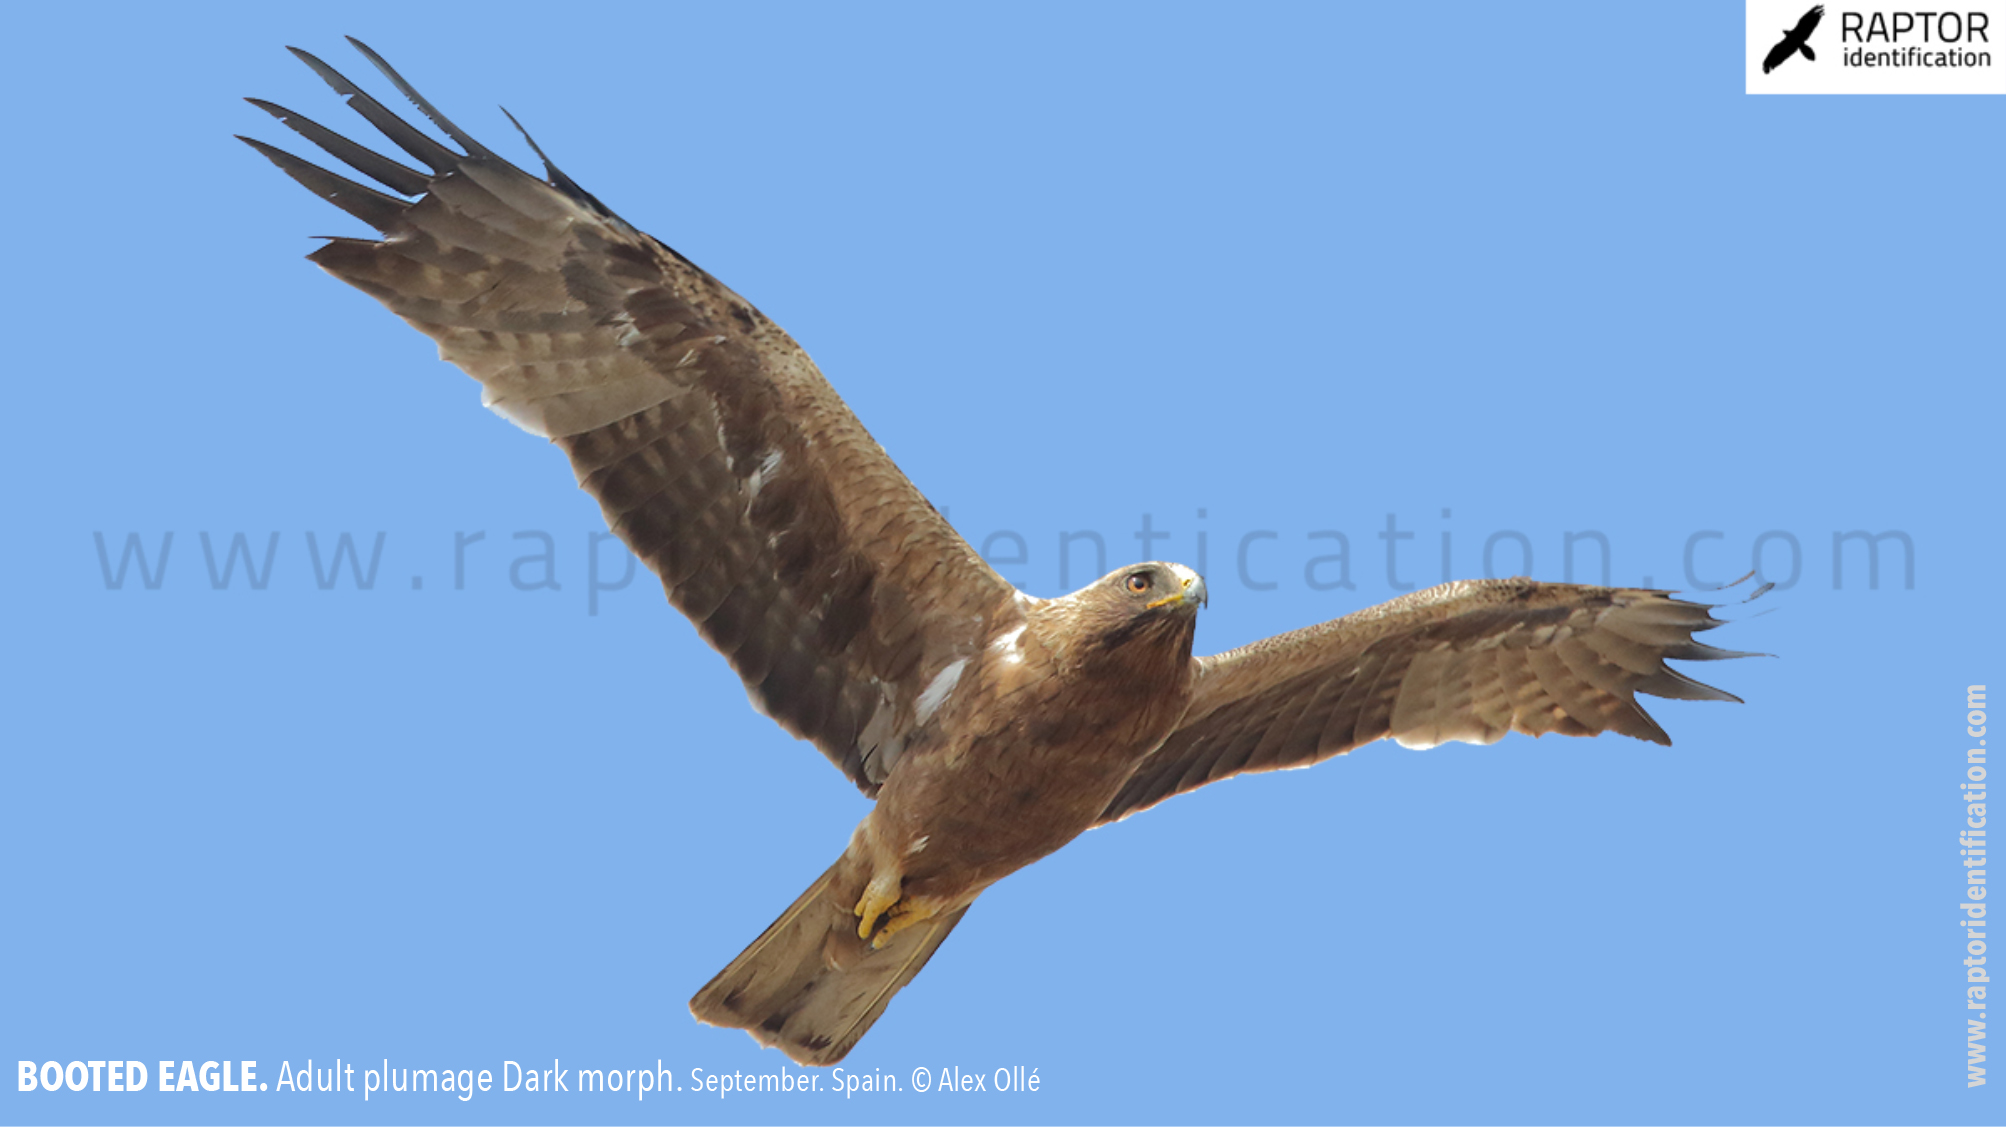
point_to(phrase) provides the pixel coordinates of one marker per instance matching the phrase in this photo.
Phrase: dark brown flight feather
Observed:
(716, 449)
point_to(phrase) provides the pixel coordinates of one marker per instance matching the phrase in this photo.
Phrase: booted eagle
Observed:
(991, 727)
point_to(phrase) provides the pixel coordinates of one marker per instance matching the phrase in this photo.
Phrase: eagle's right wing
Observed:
(717, 451)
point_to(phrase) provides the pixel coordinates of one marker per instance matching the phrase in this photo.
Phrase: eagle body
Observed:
(1037, 736)
(990, 727)
(1021, 751)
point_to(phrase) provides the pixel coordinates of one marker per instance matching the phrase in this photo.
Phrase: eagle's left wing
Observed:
(1465, 661)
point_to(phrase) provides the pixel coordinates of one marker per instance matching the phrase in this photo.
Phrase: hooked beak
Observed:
(1191, 592)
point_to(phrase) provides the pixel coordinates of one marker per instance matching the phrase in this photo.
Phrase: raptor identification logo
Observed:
(1796, 47)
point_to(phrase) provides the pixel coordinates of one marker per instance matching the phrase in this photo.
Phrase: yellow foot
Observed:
(904, 915)
(879, 898)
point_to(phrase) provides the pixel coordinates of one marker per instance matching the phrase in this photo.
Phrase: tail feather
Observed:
(809, 985)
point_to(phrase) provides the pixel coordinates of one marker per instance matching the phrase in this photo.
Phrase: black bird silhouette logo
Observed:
(1794, 40)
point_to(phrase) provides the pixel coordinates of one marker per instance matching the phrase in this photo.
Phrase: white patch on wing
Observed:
(917, 846)
(1432, 739)
(1010, 646)
(936, 691)
(724, 448)
(528, 416)
(766, 466)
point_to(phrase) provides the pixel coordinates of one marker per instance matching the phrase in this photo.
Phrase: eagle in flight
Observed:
(991, 726)
(1794, 40)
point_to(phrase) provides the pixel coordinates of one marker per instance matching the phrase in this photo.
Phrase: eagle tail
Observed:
(1806, 48)
(809, 985)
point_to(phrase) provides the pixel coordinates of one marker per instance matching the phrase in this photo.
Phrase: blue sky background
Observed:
(1294, 269)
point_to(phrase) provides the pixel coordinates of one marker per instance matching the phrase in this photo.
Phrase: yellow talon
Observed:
(903, 917)
(879, 898)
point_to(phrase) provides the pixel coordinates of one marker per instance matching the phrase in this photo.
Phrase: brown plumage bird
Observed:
(991, 727)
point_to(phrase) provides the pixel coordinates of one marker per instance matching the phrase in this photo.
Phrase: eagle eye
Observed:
(1138, 582)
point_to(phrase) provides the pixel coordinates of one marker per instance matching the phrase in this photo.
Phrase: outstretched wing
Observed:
(1779, 53)
(717, 451)
(1808, 24)
(1465, 661)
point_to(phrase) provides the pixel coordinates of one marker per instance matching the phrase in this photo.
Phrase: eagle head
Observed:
(1157, 586)
(1143, 608)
